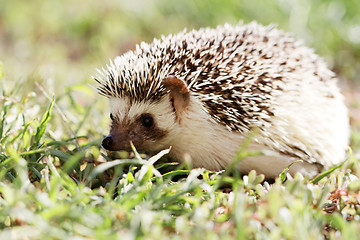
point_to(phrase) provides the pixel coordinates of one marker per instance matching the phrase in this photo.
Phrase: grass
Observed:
(56, 182)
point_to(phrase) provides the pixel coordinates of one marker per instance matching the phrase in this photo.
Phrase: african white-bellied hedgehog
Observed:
(202, 92)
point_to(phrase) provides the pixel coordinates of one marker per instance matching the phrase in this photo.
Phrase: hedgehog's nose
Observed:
(107, 142)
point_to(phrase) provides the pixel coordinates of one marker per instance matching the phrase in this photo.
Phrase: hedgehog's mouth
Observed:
(114, 143)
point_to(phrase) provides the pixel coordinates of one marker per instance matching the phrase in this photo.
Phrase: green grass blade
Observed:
(42, 127)
(326, 173)
(282, 175)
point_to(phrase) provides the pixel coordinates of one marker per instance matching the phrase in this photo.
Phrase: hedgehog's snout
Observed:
(121, 141)
(107, 143)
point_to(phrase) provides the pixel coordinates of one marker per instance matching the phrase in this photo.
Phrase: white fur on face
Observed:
(119, 107)
(161, 111)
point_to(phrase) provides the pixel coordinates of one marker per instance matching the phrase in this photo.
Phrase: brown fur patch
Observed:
(142, 137)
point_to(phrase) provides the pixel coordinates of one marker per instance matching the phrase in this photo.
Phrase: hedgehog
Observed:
(204, 92)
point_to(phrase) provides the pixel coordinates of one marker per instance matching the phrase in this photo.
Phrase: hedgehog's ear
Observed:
(179, 94)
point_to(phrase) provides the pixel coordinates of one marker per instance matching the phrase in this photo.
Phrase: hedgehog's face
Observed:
(143, 124)
(149, 125)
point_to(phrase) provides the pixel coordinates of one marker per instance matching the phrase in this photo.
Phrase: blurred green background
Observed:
(67, 39)
(59, 43)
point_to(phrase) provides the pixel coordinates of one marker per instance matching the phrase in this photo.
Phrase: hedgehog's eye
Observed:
(147, 121)
(111, 116)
